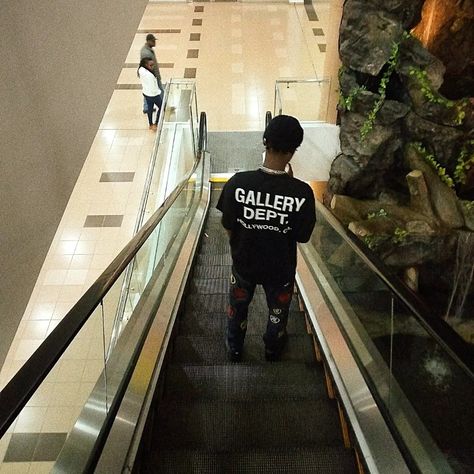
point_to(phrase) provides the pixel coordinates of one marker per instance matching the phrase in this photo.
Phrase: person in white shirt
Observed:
(150, 89)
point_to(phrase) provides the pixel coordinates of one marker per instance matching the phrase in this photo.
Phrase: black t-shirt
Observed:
(267, 215)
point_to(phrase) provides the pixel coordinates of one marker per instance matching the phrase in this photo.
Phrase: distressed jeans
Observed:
(278, 300)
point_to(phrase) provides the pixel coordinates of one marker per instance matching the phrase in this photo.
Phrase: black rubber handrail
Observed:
(438, 328)
(22, 386)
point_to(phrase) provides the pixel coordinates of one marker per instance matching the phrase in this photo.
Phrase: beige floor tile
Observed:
(35, 329)
(43, 395)
(41, 467)
(15, 468)
(4, 441)
(30, 420)
(70, 370)
(26, 347)
(60, 419)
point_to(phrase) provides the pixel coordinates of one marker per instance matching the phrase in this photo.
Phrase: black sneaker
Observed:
(274, 354)
(233, 355)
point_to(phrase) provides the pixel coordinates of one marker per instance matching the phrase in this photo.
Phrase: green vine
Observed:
(368, 125)
(380, 213)
(341, 72)
(432, 96)
(399, 235)
(469, 205)
(346, 102)
(431, 160)
(373, 241)
(464, 163)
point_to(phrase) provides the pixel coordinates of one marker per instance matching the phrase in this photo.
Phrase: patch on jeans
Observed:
(284, 297)
(243, 325)
(276, 311)
(231, 312)
(239, 293)
(232, 279)
(274, 319)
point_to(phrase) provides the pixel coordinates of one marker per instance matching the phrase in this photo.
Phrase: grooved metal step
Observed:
(209, 323)
(227, 425)
(219, 302)
(216, 247)
(219, 259)
(209, 285)
(323, 460)
(243, 381)
(194, 349)
(212, 271)
(214, 286)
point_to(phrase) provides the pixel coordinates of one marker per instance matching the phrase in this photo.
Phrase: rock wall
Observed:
(404, 180)
(395, 122)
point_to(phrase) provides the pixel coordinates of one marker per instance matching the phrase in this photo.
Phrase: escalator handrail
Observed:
(437, 327)
(22, 386)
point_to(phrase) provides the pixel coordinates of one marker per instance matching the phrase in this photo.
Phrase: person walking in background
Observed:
(266, 212)
(148, 52)
(150, 89)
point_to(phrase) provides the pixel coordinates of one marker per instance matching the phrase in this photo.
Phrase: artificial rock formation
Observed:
(404, 181)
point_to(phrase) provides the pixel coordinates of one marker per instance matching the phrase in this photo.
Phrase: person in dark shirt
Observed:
(266, 212)
(148, 52)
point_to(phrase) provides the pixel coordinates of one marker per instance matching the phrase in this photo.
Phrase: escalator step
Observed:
(209, 323)
(212, 271)
(215, 237)
(207, 350)
(219, 302)
(215, 230)
(273, 381)
(218, 259)
(214, 285)
(209, 285)
(212, 303)
(225, 425)
(215, 247)
(324, 459)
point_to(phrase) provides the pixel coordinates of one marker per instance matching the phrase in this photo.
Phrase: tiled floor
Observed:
(235, 52)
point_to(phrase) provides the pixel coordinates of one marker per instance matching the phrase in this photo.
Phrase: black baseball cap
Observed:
(150, 37)
(284, 133)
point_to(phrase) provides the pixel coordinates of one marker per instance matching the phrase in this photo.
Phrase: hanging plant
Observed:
(464, 163)
(346, 103)
(368, 125)
(421, 77)
(431, 160)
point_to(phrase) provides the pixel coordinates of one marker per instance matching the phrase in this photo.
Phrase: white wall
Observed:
(59, 62)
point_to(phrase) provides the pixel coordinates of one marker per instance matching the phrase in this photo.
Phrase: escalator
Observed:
(248, 417)
(165, 398)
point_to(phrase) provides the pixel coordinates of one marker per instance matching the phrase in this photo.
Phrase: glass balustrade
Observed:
(82, 386)
(422, 388)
